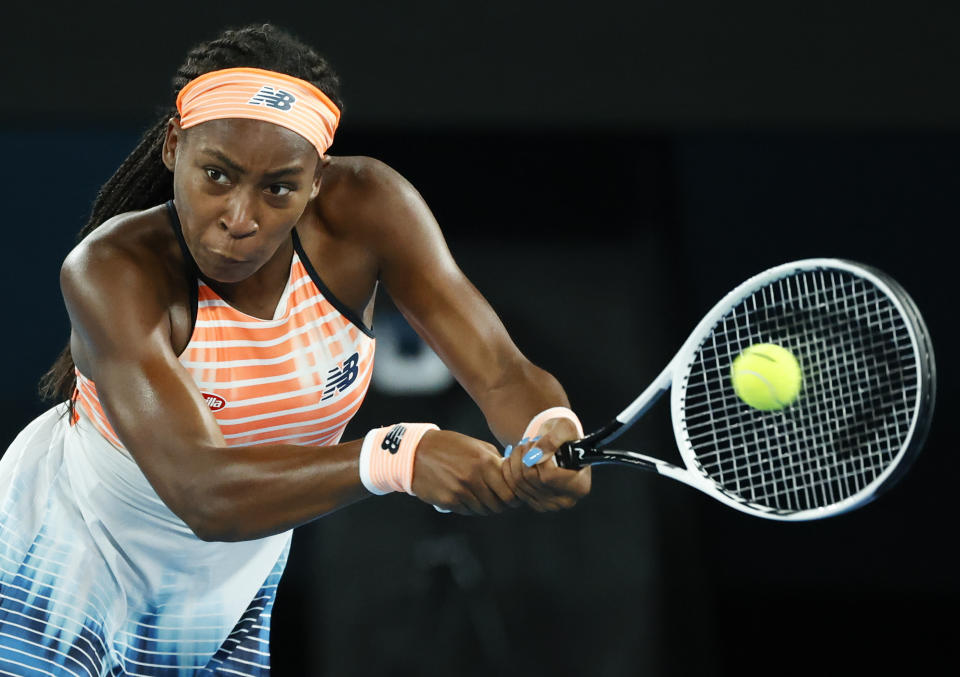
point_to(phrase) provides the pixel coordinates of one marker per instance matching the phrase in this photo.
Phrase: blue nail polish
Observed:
(536, 438)
(507, 451)
(523, 441)
(532, 456)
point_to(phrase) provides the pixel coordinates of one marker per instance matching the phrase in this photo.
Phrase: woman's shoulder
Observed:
(357, 172)
(359, 191)
(133, 246)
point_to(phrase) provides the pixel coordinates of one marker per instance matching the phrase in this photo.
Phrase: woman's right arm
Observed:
(122, 340)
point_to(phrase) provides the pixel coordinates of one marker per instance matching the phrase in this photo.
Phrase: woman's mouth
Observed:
(230, 258)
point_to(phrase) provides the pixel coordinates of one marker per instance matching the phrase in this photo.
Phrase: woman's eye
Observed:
(279, 191)
(216, 176)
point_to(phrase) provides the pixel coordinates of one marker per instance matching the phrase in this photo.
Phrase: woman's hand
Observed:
(460, 474)
(539, 482)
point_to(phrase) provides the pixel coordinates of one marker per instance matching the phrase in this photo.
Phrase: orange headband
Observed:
(258, 94)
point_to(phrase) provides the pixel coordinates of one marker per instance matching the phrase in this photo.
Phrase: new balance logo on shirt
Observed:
(340, 378)
(274, 98)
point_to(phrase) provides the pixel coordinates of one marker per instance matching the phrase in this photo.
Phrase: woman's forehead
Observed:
(255, 141)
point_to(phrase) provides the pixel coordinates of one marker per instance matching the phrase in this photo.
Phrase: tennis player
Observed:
(221, 300)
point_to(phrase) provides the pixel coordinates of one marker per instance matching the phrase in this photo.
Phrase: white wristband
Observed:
(387, 457)
(554, 412)
(365, 451)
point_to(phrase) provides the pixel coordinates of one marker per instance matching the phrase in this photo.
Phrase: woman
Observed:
(220, 301)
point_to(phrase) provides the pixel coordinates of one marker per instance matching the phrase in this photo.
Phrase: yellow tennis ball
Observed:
(766, 376)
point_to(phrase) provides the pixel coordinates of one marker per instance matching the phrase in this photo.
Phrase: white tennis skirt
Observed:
(99, 577)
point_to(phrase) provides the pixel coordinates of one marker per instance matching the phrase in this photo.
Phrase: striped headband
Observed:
(258, 94)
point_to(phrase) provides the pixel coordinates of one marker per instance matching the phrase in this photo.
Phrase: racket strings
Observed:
(855, 409)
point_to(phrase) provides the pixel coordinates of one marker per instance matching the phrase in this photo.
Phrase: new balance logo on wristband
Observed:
(274, 98)
(340, 378)
(391, 442)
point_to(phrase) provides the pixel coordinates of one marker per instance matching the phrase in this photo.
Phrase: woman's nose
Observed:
(239, 219)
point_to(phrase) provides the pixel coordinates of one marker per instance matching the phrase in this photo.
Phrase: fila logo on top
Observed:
(214, 401)
(274, 98)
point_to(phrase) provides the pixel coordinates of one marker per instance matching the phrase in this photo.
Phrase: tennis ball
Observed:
(766, 376)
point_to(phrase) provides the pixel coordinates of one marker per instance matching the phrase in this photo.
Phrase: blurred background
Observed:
(604, 172)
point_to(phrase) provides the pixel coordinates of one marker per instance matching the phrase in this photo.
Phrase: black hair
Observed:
(143, 181)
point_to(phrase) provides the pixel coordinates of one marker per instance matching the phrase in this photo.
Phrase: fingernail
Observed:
(507, 451)
(523, 441)
(536, 438)
(532, 456)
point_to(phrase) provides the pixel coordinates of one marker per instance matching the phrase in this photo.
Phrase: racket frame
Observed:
(593, 448)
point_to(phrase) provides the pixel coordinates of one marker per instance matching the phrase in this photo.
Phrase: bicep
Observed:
(121, 329)
(461, 327)
(442, 305)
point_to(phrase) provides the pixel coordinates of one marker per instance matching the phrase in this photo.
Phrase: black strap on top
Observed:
(190, 266)
(342, 307)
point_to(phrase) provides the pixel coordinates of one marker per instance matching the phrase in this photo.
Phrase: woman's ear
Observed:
(318, 177)
(171, 143)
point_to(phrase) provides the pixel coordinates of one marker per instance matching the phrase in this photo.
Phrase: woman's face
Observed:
(240, 186)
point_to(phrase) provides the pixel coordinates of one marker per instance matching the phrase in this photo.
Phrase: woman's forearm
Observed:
(509, 406)
(253, 492)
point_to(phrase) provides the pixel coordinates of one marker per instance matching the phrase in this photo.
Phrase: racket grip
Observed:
(567, 457)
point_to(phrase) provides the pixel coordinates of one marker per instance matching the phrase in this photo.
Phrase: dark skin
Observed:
(240, 187)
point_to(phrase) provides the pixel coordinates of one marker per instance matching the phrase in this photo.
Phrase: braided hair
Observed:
(143, 181)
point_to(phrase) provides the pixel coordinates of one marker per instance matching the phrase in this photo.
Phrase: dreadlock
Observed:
(143, 181)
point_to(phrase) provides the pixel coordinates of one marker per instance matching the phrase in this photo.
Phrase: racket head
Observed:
(869, 383)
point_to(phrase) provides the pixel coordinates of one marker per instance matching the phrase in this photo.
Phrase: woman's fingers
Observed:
(467, 476)
(461, 474)
(514, 477)
(534, 475)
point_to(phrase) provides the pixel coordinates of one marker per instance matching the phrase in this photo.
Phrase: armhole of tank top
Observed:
(344, 309)
(190, 266)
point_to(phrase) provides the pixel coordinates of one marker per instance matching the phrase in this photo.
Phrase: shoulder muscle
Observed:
(117, 295)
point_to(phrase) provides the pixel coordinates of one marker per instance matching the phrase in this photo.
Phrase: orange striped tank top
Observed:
(295, 379)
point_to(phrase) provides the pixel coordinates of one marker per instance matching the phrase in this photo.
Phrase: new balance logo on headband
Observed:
(391, 442)
(274, 98)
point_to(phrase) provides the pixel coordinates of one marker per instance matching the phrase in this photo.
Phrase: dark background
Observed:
(604, 172)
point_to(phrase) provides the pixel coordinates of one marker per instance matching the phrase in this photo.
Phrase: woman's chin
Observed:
(229, 274)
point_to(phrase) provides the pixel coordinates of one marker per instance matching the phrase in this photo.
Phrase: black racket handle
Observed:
(575, 454)
(568, 457)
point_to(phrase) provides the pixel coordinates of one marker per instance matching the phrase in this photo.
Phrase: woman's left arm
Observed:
(451, 315)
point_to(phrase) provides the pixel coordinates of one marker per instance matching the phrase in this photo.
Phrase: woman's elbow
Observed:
(200, 512)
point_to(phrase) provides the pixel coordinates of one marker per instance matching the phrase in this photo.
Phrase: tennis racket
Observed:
(863, 412)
